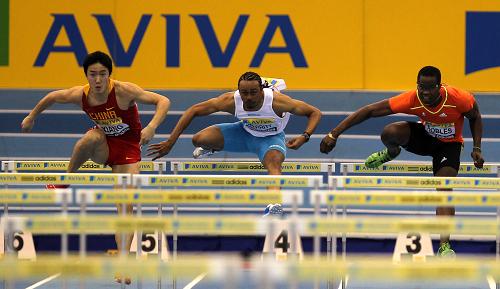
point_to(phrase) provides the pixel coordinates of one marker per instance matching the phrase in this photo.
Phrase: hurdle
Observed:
(228, 181)
(245, 225)
(406, 198)
(225, 181)
(199, 196)
(220, 268)
(349, 182)
(62, 178)
(215, 165)
(24, 240)
(392, 182)
(416, 168)
(88, 166)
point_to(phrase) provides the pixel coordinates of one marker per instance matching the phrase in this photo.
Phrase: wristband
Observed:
(476, 148)
(306, 135)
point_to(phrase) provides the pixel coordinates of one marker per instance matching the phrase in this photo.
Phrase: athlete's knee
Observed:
(208, 138)
(273, 160)
(395, 133)
(198, 139)
(92, 139)
(446, 171)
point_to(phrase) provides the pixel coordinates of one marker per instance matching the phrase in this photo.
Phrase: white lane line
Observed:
(491, 282)
(184, 136)
(195, 281)
(180, 112)
(46, 280)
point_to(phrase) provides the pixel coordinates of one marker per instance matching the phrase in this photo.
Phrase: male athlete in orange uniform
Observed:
(441, 110)
(111, 104)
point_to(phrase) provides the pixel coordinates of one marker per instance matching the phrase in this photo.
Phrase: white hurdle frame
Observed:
(89, 166)
(341, 182)
(60, 166)
(424, 168)
(221, 165)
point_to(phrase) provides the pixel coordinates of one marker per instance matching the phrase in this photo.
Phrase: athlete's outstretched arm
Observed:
(135, 93)
(284, 103)
(224, 102)
(476, 128)
(377, 109)
(71, 95)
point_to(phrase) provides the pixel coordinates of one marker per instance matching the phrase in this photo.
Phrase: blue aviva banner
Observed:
(198, 44)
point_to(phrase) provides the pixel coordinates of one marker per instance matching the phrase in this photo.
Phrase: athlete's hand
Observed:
(147, 134)
(295, 142)
(160, 149)
(477, 158)
(327, 144)
(27, 124)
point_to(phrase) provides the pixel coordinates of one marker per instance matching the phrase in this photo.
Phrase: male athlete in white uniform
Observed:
(263, 114)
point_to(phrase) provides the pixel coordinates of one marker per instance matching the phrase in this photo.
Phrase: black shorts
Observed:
(444, 154)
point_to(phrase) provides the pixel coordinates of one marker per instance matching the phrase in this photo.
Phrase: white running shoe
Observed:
(200, 152)
(274, 210)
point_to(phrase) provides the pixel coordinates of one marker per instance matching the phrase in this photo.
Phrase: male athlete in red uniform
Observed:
(441, 110)
(111, 104)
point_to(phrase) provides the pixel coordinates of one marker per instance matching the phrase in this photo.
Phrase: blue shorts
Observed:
(237, 139)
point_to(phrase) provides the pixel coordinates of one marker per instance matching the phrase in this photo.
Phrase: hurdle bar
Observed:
(347, 182)
(416, 168)
(221, 268)
(54, 166)
(249, 167)
(183, 196)
(37, 197)
(65, 179)
(228, 181)
(405, 198)
(246, 225)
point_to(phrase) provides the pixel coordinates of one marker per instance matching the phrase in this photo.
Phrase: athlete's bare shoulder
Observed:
(69, 95)
(224, 102)
(127, 89)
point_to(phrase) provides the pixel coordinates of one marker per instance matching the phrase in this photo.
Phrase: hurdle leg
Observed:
(9, 224)
(174, 246)
(294, 246)
(497, 251)
(317, 240)
(344, 246)
(83, 237)
(138, 253)
(160, 233)
(64, 237)
(160, 250)
(123, 252)
(328, 244)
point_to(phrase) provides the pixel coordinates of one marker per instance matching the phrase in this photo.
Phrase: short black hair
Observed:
(430, 71)
(249, 76)
(98, 57)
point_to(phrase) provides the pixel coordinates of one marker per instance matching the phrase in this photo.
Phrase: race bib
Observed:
(443, 130)
(260, 124)
(113, 127)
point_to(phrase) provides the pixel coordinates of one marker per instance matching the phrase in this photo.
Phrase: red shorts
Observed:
(122, 151)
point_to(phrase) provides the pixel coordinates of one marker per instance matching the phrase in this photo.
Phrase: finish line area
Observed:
(330, 211)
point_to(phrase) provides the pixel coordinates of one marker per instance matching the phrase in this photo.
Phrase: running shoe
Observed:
(446, 251)
(200, 152)
(274, 210)
(376, 159)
